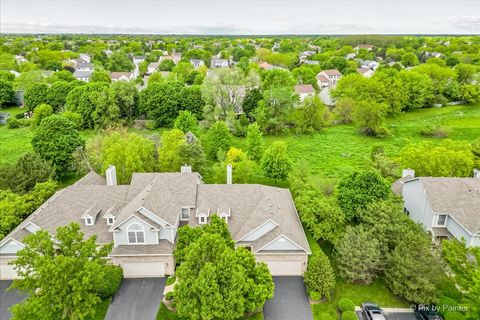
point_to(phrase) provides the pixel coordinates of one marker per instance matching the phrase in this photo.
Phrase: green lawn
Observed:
(376, 292)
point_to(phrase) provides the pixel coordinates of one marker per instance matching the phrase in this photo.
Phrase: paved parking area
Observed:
(290, 301)
(137, 299)
(393, 315)
(8, 299)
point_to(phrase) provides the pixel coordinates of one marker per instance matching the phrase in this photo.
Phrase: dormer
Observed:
(202, 216)
(111, 214)
(224, 214)
(90, 216)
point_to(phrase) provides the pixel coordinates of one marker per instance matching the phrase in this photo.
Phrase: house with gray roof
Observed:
(449, 208)
(142, 220)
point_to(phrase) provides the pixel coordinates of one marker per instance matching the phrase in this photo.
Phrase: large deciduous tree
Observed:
(360, 188)
(215, 279)
(60, 273)
(446, 159)
(128, 152)
(275, 162)
(217, 140)
(55, 140)
(7, 95)
(255, 145)
(35, 95)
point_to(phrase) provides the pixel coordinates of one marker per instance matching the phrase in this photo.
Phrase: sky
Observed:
(234, 17)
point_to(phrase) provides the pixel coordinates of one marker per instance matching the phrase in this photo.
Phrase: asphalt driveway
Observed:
(8, 299)
(290, 301)
(137, 299)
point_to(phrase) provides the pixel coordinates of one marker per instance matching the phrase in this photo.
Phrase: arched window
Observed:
(136, 234)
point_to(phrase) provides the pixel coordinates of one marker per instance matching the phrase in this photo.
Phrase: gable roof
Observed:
(332, 72)
(250, 206)
(91, 178)
(304, 88)
(459, 197)
(163, 194)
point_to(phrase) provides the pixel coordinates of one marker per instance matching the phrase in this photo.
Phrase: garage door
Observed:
(7, 272)
(143, 269)
(285, 268)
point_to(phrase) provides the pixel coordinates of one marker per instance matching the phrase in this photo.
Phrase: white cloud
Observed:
(469, 23)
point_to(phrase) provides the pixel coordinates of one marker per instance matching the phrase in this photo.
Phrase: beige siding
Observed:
(6, 271)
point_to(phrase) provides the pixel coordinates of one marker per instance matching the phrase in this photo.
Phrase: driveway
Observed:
(392, 314)
(8, 299)
(290, 301)
(137, 299)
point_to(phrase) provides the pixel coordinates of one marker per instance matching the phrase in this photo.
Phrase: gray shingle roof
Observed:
(459, 197)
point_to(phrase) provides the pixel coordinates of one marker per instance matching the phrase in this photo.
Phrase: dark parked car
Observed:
(372, 312)
(425, 312)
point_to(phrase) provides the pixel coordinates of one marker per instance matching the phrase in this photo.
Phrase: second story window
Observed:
(136, 234)
(89, 221)
(441, 220)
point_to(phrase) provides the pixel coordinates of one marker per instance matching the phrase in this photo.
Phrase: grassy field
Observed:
(376, 292)
(330, 153)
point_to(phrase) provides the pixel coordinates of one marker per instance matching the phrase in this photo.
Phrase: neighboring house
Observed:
(311, 62)
(370, 64)
(4, 117)
(121, 76)
(304, 90)
(366, 72)
(84, 66)
(433, 55)
(165, 57)
(152, 67)
(349, 56)
(20, 59)
(446, 207)
(177, 57)
(327, 78)
(83, 75)
(368, 47)
(85, 57)
(138, 59)
(219, 63)
(142, 220)
(266, 66)
(197, 63)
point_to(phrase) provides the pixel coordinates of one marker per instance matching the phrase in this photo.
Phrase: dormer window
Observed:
(89, 221)
(202, 219)
(224, 218)
(110, 220)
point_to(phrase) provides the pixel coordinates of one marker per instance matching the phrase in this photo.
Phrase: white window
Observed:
(89, 221)
(202, 220)
(185, 214)
(110, 220)
(441, 220)
(136, 234)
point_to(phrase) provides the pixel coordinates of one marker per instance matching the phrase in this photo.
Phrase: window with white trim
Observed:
(224, 218)
(136, 234)
(441, 220)
(89, 221)
(185, 214)
(110, 220)
(202, 220)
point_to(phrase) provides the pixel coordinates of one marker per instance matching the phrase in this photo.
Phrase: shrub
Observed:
(382, 132)
(349, 315)
(319, 276)
(74, 117)
(326, 316)
(315, 295)
(25, 122)
(345, 304)
(111, 281)
(434, 132)
(170, 295)
(454, 315)
(41, 112)
(13, 123)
